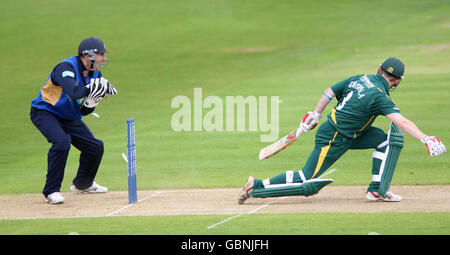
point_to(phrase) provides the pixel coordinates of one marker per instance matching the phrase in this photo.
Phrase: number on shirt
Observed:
(346, 98)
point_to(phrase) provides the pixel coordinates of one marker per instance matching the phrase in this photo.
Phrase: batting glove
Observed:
(310, 120)
(97, 91)
(435, 146)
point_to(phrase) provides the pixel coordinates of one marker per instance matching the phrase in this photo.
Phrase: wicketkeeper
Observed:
(72, 90)
(361, 99)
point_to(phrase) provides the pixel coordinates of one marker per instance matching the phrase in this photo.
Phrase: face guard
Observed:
(92, 56)
(90, 47)
(396, 85)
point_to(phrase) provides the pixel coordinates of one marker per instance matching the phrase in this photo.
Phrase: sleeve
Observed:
(383, 105)
(64, 76)
(339, 88)
(85, 110)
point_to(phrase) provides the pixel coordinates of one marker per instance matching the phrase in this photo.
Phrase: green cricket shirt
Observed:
(361, 99)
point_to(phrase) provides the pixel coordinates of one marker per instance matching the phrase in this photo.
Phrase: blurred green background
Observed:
(162, 49)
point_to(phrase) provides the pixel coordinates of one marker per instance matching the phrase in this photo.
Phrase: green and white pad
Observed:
(304, 188)
(385, 158)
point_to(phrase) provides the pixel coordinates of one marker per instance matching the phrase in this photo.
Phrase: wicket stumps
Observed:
(131, 146)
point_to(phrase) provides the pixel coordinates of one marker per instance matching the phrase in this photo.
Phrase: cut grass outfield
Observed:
(256, 224)
(162, 49)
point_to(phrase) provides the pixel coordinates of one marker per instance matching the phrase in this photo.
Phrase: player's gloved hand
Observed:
(310, 120)
(97, 91)
(435, 146)
(110, 90)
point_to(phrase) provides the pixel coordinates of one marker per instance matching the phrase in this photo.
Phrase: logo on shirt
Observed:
(68, 73)
(360, 88)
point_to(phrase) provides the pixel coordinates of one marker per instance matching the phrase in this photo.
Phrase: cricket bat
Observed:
(281, 144)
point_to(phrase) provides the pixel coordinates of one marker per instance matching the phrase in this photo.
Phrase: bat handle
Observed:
(300, 131)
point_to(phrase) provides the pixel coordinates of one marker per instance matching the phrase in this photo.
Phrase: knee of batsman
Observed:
(396, 139)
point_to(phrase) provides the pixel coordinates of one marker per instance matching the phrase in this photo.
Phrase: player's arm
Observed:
(64, 76)
(310, 119)
(435, 146)
(326, 98)
(99, 89)
(87, 108)
(406, 125)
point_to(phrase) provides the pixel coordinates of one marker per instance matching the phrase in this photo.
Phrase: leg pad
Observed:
(307, 188)
(393, 153)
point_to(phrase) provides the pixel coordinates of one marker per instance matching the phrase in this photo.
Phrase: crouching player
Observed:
(73, 89)
(361, 99)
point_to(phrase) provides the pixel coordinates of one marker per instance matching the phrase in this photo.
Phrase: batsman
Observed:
(361, 99)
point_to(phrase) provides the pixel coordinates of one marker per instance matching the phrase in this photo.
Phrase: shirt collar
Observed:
(384, 82)
(80, 64)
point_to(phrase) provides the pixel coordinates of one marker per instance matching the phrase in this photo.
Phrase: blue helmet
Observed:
(91, 45)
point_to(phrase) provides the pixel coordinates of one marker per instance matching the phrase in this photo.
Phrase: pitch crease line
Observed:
(259, 208)
(238, 215)
(129, 205)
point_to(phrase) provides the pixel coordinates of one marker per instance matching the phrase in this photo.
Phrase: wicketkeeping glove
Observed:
(310, 120)
(110, 90)
(435, 146)
(97, 91)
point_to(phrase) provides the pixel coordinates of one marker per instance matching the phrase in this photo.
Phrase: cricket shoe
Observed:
(247, 190)
(55, 198)
(389, 197)
(95, 188)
